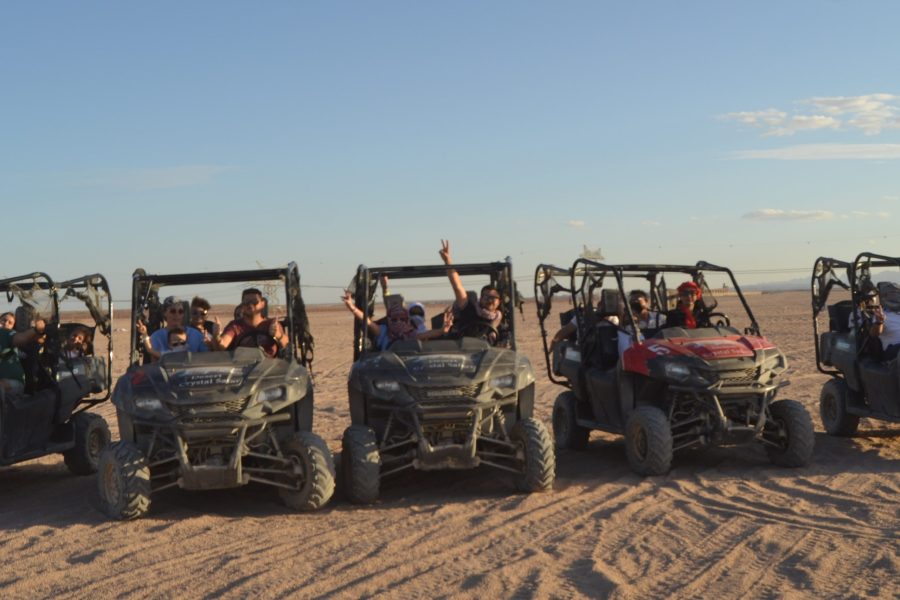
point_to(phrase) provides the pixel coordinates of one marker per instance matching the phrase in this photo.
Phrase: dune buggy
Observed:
(52, 416)
(219, 419)
(862, 384)
(453, 403)
(672, 388)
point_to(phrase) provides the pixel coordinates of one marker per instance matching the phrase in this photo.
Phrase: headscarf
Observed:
(690, 321)
(494, 316)
(398, 325)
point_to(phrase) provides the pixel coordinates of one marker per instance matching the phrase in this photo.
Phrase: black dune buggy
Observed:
(52, 416)
(673, 388)
(213, 420)
(453, 403)
(862, 384)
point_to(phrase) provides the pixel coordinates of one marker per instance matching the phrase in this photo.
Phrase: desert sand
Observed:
(724, 523)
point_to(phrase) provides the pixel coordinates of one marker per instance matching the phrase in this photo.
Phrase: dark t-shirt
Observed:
(677, 318)
(469, 315)
(255, 336)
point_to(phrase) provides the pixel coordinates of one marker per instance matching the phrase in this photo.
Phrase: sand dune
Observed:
(724, 523)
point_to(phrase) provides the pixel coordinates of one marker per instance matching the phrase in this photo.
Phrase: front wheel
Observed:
(91, 437)
(536, 455)
(648, 441)
(833, 409)
(312, 467)
(789, 434)
(123, 480)
(360, 465)
(567, 433)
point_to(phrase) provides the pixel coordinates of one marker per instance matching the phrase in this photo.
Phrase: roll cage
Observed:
(364, 285)
(827, 273)
(585, 277)
(145, 300)
(92, 290)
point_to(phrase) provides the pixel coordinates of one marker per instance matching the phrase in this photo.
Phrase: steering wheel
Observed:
(718, 319)
(255, 335)
(482, 330)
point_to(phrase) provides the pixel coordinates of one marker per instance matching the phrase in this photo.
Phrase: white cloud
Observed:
(758, 118)
(888, 198)
(140, 180)
(651, 223)
(871, 114)
(777, 214)
(824, 152)
(575, 224)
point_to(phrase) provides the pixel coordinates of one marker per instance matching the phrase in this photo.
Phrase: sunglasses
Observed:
(251, 302)
(198, 312)
(178, 343)
(491, 297)
(179, 311)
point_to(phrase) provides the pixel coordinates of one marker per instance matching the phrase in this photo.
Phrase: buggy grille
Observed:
(742, 377)
(438, 394)
(210, 413)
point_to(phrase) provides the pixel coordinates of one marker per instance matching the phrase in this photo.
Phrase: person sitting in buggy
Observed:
(689, 311)
(158, 342)
(398, 325)
(471, 312)
(12, 375)
(648, 321)
(254, 329)
(80, 342)
(881, 327)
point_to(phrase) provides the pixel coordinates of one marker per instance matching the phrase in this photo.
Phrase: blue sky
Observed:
(211, 135)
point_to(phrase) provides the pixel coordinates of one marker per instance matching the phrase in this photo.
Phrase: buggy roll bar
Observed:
(144, 285)
(104, 321)
(542, 274)
(500, 273)
(824, 279)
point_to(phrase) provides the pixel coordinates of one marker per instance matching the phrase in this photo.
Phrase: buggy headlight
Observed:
(682, 373)
(387, 385)
(503, 381)
(148, 403)
(677, 371)
(275, 393)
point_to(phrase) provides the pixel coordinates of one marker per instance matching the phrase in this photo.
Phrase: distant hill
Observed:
(802, 283)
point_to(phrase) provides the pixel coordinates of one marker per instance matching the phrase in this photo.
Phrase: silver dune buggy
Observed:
(452, 403)
(213, 420)
(51, 416)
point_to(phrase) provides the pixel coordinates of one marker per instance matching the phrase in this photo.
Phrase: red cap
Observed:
(690, 286)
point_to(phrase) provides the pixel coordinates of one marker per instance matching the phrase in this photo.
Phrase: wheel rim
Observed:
(297, 471)
(95, 444)
(111, 484)
(830, 409)
(778, 434)
(640, 444)
(560, 425)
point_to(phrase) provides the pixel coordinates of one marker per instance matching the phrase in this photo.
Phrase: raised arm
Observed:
(348, 302)
(145, 340)
(441, 331)
(455, 282)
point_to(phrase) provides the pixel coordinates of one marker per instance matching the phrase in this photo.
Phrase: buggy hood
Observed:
(210, 377)
(442, 364)
(715, 350)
